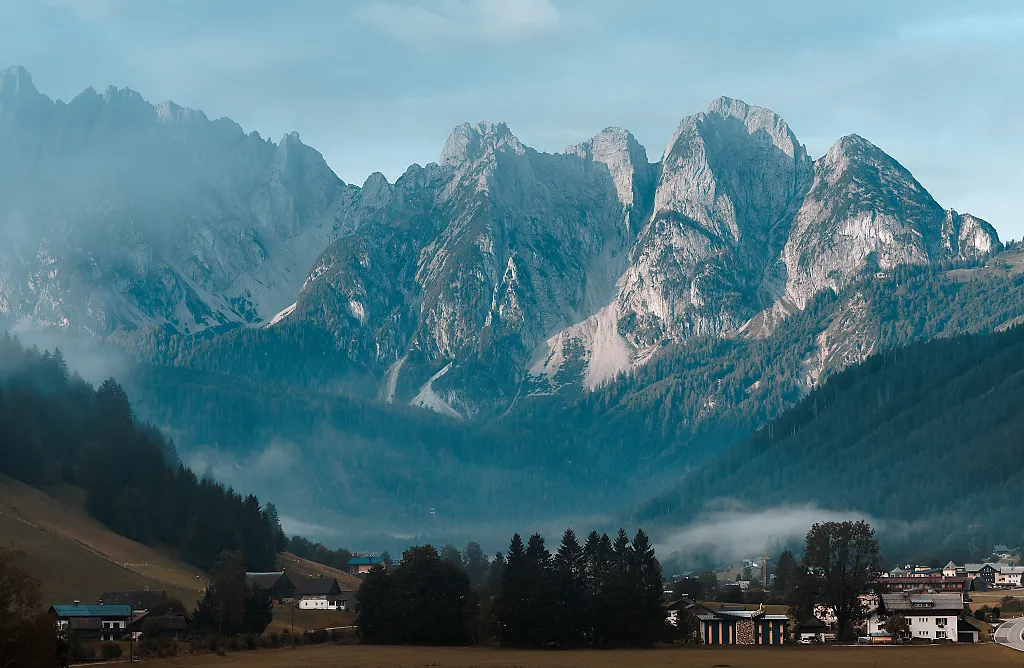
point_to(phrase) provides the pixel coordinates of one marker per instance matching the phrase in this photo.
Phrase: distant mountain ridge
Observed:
(118, 214)
(495, 274)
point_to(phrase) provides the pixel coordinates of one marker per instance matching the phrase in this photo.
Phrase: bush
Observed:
(232, 644)
(111, 650)
(318, 637)
(80, 651)
(273, 641)
(213, 644)
(249, 641)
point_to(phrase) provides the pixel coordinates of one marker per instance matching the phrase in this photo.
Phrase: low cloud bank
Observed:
(738, 531)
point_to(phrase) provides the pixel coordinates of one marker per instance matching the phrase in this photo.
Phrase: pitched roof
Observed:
(142, 599)
(923, 603)
(964, 626)
(268, 581)
(104, 611)
(310, 586)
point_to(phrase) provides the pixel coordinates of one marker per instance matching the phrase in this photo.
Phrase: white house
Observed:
(930, 616)
(319, 593)
(1009, 576)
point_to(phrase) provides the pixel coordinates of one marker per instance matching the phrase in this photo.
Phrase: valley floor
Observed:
(366, 656)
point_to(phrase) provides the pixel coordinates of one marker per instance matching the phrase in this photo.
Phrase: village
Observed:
(954, 603)
(907, 604)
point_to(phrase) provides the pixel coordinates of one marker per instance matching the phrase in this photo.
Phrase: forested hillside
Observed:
(54, 427)
(928, 440)
(278, 411)
(694, 400)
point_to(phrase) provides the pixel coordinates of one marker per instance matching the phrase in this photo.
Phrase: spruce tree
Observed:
(569, 580)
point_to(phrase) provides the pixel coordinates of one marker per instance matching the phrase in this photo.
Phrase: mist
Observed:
(739, 531)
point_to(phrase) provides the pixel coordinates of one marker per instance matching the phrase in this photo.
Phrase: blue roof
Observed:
(365, 561)
(106, 611)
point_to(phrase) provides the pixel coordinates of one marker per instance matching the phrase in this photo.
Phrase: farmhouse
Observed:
(727, 626)
(319, 593)
(275, 584)
(930, 616)
(93, 622)
(363, 565)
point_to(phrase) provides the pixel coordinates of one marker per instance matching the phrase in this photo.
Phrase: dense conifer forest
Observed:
(928, 438)
(55, 427)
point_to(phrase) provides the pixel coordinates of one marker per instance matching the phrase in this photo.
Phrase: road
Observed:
(1009, 634)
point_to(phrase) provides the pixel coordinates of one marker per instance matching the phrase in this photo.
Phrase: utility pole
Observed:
(764, 571)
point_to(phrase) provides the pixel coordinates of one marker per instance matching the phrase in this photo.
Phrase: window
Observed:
(940, 634)
(941, 621)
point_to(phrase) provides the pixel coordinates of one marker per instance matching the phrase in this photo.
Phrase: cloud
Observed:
(738, 531)
(463, 20)
(297, 527)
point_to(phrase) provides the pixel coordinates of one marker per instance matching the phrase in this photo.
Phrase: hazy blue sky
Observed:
(378, 84)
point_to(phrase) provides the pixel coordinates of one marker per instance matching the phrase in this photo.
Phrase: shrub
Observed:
(249, 641)
(80, 651)
(213, 644)
(111, 650)
(232, 644)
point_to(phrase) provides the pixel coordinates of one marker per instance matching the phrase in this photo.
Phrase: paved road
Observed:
(1010, 632)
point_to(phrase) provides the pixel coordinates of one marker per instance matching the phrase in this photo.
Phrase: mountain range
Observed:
(465, 283)
(586, 327)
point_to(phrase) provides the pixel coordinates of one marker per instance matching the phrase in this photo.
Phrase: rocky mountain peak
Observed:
(15, 80)
(471, 142)
(757, 121)
(626, 160)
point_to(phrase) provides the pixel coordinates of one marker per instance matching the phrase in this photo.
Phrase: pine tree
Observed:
(513, 601)
(648, 619)
(569, 580)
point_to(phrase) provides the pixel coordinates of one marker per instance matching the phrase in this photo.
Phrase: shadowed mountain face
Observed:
(118, 214)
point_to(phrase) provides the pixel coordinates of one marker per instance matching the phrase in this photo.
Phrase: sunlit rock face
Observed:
(495, 273)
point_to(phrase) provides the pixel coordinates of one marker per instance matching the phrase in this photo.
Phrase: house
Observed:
(141, 600)
(813, 630)
(363, 565)
(733, 626)
(951, 570)
(935, 582)
(1002, 552)
(1009, 576)
(985, 572)
(93, 622)
(967, 632)
(275, 584)
(930, 616)
(676, 608)
(319, 593)
(898, 573)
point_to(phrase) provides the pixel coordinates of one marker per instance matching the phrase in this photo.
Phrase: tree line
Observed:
(56, 428)
(602, 593)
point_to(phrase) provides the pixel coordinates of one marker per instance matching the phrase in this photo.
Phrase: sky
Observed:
(376, 85)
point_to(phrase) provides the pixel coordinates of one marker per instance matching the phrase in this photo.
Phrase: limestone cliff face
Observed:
(495, 272)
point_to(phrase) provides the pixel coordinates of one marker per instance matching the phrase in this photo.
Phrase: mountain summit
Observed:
(496, 273)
